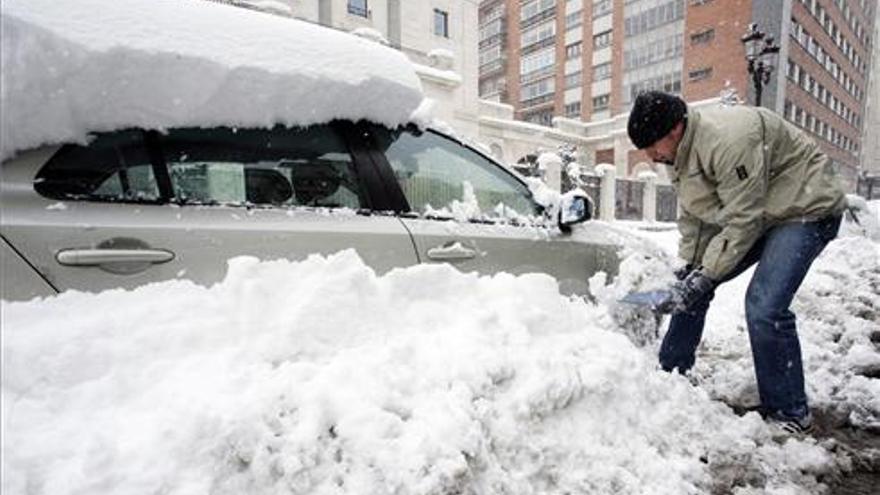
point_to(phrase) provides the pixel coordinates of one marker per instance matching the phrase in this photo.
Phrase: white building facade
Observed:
(441, 38)
(870, 159)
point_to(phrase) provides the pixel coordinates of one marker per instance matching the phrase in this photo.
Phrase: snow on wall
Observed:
(70, 68)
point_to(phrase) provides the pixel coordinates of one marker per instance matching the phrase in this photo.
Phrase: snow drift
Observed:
(322, 377)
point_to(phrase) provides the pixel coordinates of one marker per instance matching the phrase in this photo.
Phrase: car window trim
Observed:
(153, 144)
(380, 196)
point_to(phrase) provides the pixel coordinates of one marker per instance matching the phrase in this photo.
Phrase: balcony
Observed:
(491, 67)
(537, 74)
(540, 16)
(537, 45)
(539, 101)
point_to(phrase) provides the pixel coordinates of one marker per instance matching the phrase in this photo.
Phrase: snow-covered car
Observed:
(192, 154)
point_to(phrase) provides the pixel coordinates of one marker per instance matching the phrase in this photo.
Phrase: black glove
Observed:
(685, 294)
(684, 271)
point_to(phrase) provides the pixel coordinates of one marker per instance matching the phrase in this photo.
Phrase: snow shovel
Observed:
(657, 300)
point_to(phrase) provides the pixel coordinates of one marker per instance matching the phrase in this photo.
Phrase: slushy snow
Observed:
(156, 64)
(321, 377)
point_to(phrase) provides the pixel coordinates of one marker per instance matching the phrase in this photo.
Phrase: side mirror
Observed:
(576, 207)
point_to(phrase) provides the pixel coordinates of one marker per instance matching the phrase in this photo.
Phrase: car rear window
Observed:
(279, 166)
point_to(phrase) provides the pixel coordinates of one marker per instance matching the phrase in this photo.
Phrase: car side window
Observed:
(279, 166)
(111, 167)
(437, 173)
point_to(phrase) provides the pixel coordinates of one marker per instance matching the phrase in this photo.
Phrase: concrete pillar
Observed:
(325, 13)
(622, 146)
(394, 23)
(550, 165)
(607, 191)
(649, 196)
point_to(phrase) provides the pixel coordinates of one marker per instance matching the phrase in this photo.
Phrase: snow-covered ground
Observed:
(322, 377)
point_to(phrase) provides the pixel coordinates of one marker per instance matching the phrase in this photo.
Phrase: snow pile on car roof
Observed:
(70, 68)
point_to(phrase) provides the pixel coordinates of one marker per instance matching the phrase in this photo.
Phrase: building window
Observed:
(700, 74)
(573, 50)
(602, 71)
(601, 8)
(703, 37)
(573, 109)
(601, 102)
(536, 10)
(652, 18)
(441, 23)
(537, 92)
(602, 40)
(538, 64)
(573, 80)
(537, 34)
(358, 7)
(669, 82)
(659, 50)
(573, 20)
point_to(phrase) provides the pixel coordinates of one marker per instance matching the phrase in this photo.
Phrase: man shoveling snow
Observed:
(753, 189)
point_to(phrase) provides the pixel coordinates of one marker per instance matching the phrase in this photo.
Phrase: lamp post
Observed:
(760, 48)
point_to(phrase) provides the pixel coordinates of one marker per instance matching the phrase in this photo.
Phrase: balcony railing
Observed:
(531, 103)
(537, 45)
(538, 17)
(491, 67)
(537, 74)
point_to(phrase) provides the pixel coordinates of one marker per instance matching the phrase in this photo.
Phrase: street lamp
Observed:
(760, 48)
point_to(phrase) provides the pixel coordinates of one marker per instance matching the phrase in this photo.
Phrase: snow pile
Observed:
(94, 65)
(838, 310)
(321, 377)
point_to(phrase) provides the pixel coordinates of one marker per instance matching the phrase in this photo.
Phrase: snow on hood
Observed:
(322, 377)
(74, 67)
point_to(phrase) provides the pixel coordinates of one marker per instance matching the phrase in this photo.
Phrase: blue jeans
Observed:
(784, 255)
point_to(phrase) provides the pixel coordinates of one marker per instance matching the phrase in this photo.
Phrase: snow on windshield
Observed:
(92, 65)
(321, 377)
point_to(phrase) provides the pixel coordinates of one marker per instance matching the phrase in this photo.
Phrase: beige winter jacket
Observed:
(739, 171)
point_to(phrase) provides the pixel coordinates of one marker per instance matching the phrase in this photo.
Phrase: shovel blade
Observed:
(652, 299)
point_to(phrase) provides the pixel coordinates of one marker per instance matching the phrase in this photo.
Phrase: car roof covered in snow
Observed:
(71, 68)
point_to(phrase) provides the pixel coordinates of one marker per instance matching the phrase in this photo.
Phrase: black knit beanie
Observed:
(654, 114)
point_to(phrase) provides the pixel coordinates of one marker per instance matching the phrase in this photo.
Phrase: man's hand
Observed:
(686, 293)
(683, 272)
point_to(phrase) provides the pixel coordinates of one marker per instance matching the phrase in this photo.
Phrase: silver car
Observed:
(138, 206)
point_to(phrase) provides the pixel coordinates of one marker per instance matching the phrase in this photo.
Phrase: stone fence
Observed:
(642, 198)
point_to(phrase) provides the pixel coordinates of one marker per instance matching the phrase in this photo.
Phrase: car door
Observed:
(469, 211)
(134, 207)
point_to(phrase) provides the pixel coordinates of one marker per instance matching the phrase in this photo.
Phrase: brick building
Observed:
(587, 59)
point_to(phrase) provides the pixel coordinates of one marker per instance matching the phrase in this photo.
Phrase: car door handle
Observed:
(454, 251)
(95, 257)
